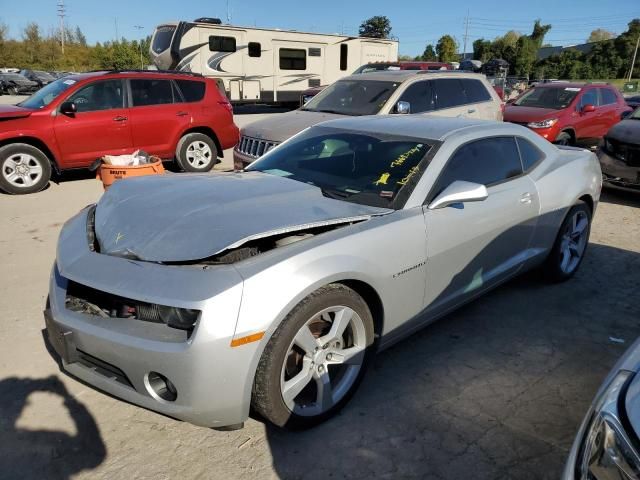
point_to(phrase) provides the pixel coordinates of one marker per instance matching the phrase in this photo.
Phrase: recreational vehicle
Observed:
(260, 64)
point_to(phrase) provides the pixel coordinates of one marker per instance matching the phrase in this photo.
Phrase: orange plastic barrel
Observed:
(112, 173)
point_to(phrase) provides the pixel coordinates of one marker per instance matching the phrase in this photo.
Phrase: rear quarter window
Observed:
(449, 93)
(192, 90)
(475, 90)
(529, 153)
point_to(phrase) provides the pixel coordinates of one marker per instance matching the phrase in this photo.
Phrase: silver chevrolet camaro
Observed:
(202, 296)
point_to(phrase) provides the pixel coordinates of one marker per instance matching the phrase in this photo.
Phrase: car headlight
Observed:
(543, 123)
(606, 450)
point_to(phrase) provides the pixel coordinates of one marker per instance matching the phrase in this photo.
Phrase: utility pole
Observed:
(61, 14)
(139, 28)
(633, 62)
(466, 34)
(228, 14)
(115, 22)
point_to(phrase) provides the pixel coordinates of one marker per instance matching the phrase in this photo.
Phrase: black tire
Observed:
(186, 143)
(553, 265)
(267, 397)
(563, 139)
(10, 154)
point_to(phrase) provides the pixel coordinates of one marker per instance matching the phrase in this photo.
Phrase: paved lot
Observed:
(495, 390)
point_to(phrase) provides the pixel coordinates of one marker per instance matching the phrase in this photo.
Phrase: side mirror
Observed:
(588, 108)
(68, 108)
(459, 192)
(402, 108)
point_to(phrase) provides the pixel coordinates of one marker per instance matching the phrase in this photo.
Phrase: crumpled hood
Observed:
(282, 126)
(627, 131)
(513, 113)
(188, 217)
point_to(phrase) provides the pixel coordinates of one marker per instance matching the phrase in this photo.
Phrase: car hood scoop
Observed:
(190, 217)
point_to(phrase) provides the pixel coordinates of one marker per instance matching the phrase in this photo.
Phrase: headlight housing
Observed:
(606, 451)
(543, 123)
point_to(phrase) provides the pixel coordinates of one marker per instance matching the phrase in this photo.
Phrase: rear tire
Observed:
(196, 152)
(23, 169)
(570, 245)
(564, 139)
(315, 360)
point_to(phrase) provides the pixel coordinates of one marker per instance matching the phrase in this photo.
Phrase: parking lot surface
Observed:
(495, 390)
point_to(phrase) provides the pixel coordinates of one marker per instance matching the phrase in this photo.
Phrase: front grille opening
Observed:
(103, 368)
(83, 299)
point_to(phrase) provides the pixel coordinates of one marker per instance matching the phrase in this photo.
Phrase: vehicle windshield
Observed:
(548, 97)
(47, 94)
(377, 67)
(372, 169)
(352, 97)
(162, 38)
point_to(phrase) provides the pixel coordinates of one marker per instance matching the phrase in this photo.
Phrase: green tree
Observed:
(539, 31)
(375, 27)
(32, 41)
(447, 49)
(80, 38)
(429, 54)
(599, 35)
(625, 44)
(482, 50)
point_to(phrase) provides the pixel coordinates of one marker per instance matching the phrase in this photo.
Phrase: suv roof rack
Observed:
(133, 70)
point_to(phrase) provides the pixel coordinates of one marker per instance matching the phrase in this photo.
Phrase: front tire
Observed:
(571, 244)
(564, 139)
(196, 152)
(315, 360)
(23, 169)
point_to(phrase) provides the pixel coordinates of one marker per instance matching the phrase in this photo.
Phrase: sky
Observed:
(414, 22)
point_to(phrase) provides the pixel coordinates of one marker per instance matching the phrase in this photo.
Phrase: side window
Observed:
(608, 96)
(449, 93)
(293, 59)
(590, 97)
(222, 44)
(344, 55)
(192, 91)
(529, 153)
(103, 95)
(419, 95)
(255, 49)
(486, 161)
(475, 90)
(151, 92)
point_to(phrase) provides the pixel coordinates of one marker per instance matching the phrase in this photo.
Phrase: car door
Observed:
(475, 245)
(420, 97)
(451, 100)
(100, 125)
(158, 115)
(588, 124)
(609, 106)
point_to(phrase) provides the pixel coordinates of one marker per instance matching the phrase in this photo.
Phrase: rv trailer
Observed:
(261, 65)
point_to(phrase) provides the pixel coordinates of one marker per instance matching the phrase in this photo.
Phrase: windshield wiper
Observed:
(335, 194)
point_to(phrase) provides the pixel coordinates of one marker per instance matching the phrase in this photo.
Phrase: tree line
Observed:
(608, 57)
(34, 50)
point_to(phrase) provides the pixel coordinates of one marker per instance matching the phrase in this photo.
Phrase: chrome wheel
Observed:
(323, 361)
(198, 154)
(22, 170)
(573, 241)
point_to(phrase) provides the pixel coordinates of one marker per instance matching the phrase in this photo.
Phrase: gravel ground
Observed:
(495, 390)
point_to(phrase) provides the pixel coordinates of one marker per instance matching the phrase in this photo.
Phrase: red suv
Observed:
(75, 120)
(569, 113)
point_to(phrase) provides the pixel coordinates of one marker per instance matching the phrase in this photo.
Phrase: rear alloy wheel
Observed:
(571, 243)
(196, 152)
(564, 139)
(315, 360)
(23, 169)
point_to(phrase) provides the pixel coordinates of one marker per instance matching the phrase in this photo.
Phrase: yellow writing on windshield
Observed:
(402, 158)
(411, 173)
(383, 179)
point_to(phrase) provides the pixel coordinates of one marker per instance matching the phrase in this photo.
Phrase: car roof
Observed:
(570, 85)
(132, 73)
(418, 126)
(403, 75)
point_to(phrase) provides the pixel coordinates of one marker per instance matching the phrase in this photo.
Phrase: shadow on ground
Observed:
(37, 454)
(494, 390)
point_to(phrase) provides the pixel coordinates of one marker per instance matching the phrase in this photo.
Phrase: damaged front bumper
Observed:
(617, 173)
(125, 357)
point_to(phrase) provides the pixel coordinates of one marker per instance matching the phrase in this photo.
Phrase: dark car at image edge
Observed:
(619, 154)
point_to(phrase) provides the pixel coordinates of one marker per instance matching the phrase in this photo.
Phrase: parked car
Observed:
(606, 446)
(280, 282)
(569, 113)
(40, 77)
(77, 119)
(633, 102)
(16, 84)
(391, 92)
(619, 154)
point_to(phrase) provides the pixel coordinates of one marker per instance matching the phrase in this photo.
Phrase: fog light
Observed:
(161, 386)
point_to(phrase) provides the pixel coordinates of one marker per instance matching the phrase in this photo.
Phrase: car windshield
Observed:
(352, 97)
(47, 94)
(548, 97)
(372, 169)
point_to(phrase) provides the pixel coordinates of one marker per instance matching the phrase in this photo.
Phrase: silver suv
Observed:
(446, 93)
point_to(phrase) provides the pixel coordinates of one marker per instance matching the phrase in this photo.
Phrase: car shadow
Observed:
(621, 197)
(496, 389)
(36, 454)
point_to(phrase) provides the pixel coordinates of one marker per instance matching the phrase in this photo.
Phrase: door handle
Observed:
(119, 118)
(525, 198)
(182, 114)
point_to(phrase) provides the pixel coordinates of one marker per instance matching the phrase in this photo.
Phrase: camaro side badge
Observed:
(407, 270)
(119, 237)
